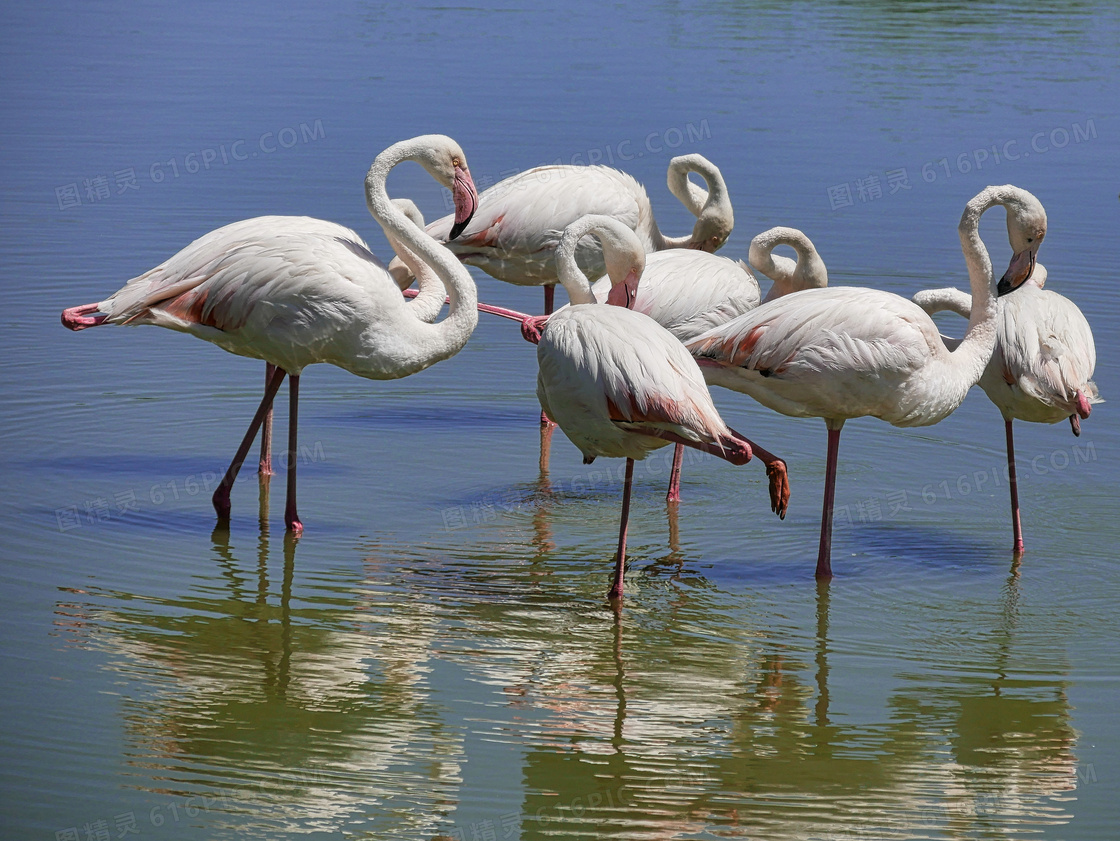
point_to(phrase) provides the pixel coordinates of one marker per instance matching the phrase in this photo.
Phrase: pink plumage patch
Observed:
(658, 412)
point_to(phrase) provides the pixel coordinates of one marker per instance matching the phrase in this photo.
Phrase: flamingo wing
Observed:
(612, 378)
(1047, 349)
(518, 223)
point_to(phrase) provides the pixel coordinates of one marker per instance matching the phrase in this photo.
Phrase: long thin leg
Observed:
(291, 518)
(1016, 525)
(620, 557)
(547, 426)
(221, 494)
(265, 466)
(824, 555)
(674, 492)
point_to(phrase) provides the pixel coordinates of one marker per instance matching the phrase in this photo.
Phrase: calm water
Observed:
(434, 657)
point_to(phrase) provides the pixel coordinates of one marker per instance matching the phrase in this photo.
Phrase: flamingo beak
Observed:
(624, 294)
(1018, 272)
(465, 195)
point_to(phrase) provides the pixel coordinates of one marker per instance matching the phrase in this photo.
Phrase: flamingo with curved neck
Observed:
(806, 272)
(848, 352)
(616, 382)
(295, 291)
(1041, 369)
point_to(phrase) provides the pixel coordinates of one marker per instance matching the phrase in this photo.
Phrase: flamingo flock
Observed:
(653, 321)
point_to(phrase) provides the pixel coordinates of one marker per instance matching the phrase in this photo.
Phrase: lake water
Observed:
(435, 658)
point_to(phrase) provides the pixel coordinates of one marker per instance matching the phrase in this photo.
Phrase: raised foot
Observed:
(75, 318)
(533, 328)
(779, 487)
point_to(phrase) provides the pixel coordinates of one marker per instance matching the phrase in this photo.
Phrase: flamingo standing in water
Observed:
(845, 353)
(1042, 367)
(620, 385)
(294, 291)
(691, 292)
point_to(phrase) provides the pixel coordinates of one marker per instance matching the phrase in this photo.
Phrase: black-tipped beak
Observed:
(465, 196)
(1018, 272)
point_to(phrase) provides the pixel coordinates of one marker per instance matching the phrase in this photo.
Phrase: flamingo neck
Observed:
(449, 335)
(975, 350)
(807, 272)
(711, 206)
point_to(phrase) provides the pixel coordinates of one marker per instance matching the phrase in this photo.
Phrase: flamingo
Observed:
(618, 383)
(1042, 367)
(690, 292)
(514, 233)
(294, 291)
(845, 353)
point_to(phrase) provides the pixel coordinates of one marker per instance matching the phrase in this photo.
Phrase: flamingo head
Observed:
(712, 228)
(444, 160)
(1026, 228)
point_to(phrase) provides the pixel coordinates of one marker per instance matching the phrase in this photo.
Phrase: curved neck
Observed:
(462, 316)
(406, 266)
(807, 272)
(975, 349)
(610, 234)
(711, 206)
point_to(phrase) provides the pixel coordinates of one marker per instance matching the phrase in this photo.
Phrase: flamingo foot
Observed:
(294, 526)
(75, 318)
(222, 504)
(779, 487)
(1075, 425)
(532, 328)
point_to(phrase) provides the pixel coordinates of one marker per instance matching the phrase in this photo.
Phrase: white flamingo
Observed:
(620, 385)
(295, 291)
(690, 292)
(1042, 367)
(845, 353)
(514, 232)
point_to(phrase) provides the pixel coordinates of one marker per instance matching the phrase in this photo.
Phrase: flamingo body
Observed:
(612, 378)
(291, 290)
(836, 353)
(517, 226)
(688, 292)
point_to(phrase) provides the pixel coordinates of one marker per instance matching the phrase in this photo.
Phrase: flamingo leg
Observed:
(265, 466)
(674, 492)
(221, 494)
(620, 558)
(1016, 525)
(547, 426)
(291, 518)
(824, 554)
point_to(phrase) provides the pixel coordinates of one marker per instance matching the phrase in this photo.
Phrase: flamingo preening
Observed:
(1041, 369)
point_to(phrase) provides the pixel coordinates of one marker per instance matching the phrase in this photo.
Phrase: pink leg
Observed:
(620, 557)
(674, 493)
(824, 554)
(547, 426)
(1016, 525)
(221, 495)
(265, 466)
(291, 518)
